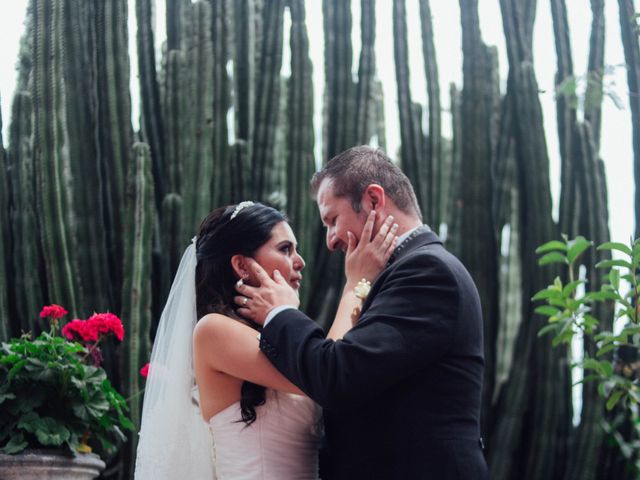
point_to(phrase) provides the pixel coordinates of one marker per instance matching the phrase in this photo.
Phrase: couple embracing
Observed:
(243, 385)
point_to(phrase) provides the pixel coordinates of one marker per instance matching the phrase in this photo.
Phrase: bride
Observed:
(214, 406)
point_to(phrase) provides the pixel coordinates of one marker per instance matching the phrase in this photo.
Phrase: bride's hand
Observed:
(371, 254)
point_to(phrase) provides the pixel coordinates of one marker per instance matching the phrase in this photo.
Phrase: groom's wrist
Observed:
(275, 311)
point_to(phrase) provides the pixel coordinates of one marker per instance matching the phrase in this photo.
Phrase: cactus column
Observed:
(631, 44)
(5, 315)
(136, 291)
(480, 256)
(52, 164)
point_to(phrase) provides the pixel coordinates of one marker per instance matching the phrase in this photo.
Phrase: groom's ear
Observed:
(374, 197)
(239, 265)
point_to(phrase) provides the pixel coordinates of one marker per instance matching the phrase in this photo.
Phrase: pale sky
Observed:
(616, 133)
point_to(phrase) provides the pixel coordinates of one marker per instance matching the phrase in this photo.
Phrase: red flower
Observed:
(106, 323)
(53, 311)
(74, 330)
(144, 371)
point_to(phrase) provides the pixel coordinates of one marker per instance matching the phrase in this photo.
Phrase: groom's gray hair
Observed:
(353, 170)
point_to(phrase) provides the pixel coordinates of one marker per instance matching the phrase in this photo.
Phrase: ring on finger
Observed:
(244, 301)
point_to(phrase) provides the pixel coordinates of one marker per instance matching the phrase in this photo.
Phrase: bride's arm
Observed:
(231, 347)
(362, 262)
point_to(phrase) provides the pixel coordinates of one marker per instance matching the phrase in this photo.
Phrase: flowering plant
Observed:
(54, 392)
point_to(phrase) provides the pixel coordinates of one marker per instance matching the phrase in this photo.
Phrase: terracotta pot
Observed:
(43, 464)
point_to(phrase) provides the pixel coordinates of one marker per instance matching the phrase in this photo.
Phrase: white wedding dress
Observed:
(176, 443)
(281, 444)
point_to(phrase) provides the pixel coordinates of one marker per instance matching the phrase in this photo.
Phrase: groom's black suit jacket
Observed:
(401, 391)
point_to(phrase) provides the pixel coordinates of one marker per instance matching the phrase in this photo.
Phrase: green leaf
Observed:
(606, 368)
(605, 349)
(614, 278)
(6, 396)
(52, 432)
(613, 399)
(16, 444)
(603, 295)
(570, 287)
(16, 369)
(613, 263)
(547, 329)
(552, 245)
(579, 245)
(547, 293)
(553, 257)
(621, 247)
(547, 310)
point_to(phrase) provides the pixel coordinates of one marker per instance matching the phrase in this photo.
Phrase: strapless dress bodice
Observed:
(281, 444)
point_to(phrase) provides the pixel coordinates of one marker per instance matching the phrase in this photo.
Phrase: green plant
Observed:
(568, 308)
(53, 391)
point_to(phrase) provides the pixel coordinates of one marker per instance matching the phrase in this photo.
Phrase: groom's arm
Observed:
(408, 325)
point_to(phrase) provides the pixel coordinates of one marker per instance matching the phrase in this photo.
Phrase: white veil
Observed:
(175, 441)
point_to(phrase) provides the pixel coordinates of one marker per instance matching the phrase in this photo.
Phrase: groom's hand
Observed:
(256, 302)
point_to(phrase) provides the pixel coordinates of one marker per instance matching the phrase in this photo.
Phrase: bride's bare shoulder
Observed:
(218, 325)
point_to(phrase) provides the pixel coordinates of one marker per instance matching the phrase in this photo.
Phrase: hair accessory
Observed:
(239, 207)
(362, 288)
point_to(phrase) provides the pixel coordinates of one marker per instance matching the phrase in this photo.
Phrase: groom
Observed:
(401, 390)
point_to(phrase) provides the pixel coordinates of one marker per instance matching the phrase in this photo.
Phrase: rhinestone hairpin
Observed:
(239, 207)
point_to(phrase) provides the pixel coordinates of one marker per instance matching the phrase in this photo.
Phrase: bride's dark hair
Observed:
(221, 237)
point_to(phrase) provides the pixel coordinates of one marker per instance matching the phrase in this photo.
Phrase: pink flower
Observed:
(53, 311)
(144, 371)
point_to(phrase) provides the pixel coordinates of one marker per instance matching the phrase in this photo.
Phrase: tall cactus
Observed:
(136, 291)
(199, 167)
(588, 438)
(300, 138)
(595, 71)
(27, 260)
(566, 105)
(178, 128)
(366, 73)
(339, 91)
(244, 40)
(545, 408)
(152, 120)
(52, 166)
(267, 98)
(5, 235)
(477, 111)
(221, 102)
(631, 44)
(432, 173)
(411, 137)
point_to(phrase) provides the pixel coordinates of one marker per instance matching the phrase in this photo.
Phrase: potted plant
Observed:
(56, 401)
